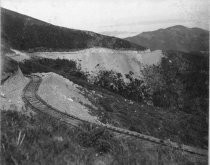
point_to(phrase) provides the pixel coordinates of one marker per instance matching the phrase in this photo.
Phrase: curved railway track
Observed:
(37, 104)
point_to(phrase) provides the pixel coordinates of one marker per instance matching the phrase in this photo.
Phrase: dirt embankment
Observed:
(65, 96)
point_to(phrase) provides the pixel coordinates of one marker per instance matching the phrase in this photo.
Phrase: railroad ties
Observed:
(30, 98)
(37, 104)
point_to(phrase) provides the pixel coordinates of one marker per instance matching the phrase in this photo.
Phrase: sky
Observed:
(121, 18)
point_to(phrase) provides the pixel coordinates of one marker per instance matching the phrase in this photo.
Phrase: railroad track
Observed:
(37, 104)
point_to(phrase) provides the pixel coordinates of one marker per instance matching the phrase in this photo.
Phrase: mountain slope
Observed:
(25, 33)
(174, 38)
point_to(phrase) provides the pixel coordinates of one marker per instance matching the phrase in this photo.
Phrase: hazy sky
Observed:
(116, 17)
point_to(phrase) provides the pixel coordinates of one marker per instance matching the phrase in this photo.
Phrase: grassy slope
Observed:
(32, 34)
(158, 122)
(43, 140)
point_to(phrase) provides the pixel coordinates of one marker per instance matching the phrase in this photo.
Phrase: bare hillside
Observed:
(96, 59)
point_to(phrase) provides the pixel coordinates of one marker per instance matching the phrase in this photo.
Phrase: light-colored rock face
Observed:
(11, 92)
(65, 96)
(95, 59)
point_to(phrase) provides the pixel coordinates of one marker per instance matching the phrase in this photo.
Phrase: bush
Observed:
(66, 68)
(180, 82)
(95, 137)
(135, 90)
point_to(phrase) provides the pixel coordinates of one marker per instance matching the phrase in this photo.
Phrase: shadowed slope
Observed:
(26, 33)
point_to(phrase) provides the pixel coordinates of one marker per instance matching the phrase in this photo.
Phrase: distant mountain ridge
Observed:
(177, 37)
(26, 33)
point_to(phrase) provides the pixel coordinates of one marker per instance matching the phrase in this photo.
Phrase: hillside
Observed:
(177, 90)
(31, 35)
(76, 96)
(174, 38)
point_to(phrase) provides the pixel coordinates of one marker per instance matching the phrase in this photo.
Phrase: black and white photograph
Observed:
(104, 82)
